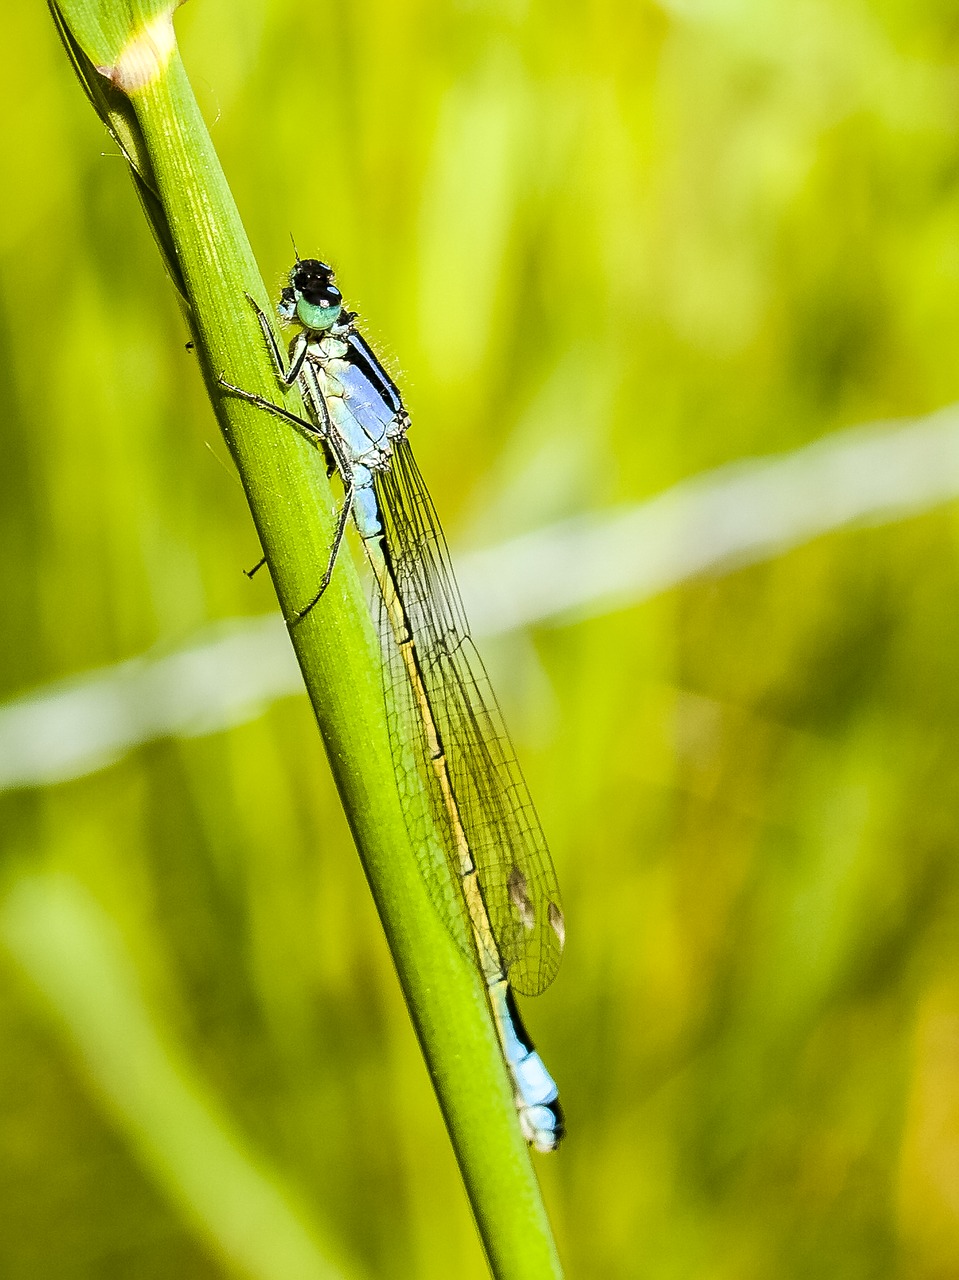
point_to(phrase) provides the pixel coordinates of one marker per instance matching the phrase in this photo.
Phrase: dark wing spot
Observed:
(516, 884)
(555, 917)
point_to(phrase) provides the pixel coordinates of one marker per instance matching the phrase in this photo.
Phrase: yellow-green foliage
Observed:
(604, 246)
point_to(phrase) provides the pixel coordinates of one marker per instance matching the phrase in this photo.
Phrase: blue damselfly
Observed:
(446, 730)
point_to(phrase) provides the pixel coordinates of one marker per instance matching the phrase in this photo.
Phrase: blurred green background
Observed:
(607, 247)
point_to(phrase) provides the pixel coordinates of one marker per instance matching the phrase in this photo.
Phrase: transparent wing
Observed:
(504, 834)
(426, 820)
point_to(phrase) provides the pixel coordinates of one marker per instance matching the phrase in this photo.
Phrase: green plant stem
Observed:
(197, 224)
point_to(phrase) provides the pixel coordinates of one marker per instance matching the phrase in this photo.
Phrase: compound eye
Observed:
(286, 307)
(321, 309)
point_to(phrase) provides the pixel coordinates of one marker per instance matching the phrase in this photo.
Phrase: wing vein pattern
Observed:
(503, 832)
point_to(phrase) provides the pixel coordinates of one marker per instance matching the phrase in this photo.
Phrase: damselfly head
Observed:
(311, 298)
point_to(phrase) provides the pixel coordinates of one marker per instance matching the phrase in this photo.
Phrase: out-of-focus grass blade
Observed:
(73, 953)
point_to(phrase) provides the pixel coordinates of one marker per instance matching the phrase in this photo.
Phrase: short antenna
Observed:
(296, 252)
